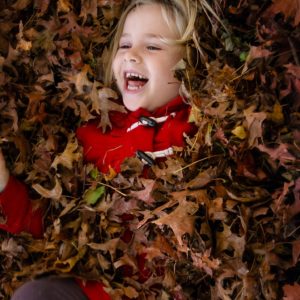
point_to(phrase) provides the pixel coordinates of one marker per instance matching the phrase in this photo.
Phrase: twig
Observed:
(195, 162)
(111, 187)
(294, 52)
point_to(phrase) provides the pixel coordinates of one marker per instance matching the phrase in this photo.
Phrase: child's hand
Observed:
(4, 173)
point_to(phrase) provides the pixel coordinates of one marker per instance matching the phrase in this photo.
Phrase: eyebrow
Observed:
(147, 35)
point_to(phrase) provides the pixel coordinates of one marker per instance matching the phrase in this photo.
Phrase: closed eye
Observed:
(153, 48)
(125, 46)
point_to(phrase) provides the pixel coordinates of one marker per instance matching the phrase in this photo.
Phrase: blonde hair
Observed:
(181, 13)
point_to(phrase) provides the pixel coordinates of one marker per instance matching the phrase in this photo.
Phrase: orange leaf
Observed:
(291, 292)
(289, 8)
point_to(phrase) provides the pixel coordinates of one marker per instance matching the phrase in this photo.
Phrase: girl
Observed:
(148, 44)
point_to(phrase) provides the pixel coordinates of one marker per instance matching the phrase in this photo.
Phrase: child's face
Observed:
(143, 63)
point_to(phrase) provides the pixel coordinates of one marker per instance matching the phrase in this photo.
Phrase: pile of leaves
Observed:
(218, 220)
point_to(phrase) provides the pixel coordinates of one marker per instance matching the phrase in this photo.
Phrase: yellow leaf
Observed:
(67, 265)
(239, 132)
(63, 6)
(277, 115)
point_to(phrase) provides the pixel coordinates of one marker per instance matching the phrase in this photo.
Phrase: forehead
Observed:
(148, 19)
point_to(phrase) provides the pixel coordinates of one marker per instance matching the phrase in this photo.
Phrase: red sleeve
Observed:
(17, 212)
(93, 290)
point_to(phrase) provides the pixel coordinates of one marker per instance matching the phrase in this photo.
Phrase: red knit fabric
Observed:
(16, 209)
(105, 150)
(110, 149)
(93, 290)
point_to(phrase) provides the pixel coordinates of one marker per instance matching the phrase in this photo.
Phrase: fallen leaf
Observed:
(291, 292)
(54, 193)
(181, 220)
(289, 8)
(69, 155)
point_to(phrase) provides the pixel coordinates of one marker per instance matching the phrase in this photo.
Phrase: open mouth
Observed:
(134, 81)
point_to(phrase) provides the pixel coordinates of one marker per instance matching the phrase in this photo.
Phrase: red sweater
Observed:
(129, 133)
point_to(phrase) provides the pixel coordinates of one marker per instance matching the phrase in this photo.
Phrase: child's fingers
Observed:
(2, 160)
(4, 173)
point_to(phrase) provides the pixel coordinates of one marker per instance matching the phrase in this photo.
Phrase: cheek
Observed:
(115, 67)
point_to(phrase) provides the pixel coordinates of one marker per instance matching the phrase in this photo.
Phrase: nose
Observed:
(132, 56)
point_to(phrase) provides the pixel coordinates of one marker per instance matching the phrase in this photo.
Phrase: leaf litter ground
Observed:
(220, 219)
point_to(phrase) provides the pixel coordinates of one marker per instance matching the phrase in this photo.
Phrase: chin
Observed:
(131, 105)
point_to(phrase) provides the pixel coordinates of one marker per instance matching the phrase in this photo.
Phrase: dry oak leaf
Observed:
(64, 6)
(21, 4)
(109, 246)
(88, 8)
(68, 156)
(255, 52)
(203, 178)
(101, 103)
(291, 292)
(296, 252)
(289, 8)
(12, 248)
(11, 113)
(181, 220)
(54, 193)
(65, 266)
(254, 122)
(146, 194)
(294, 208)
(22, 44)
(226, 239)
(281, 153)
(219, 290)
(80, 79)
(205, 262)
(293, 70)
(41, 6)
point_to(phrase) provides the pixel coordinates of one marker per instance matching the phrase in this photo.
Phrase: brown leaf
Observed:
(296, 252)
(64, 6)
(289, 8)
(21, 4)
(12, 248)
(41, 6)
(146, 194)
(54, 193)
(280, 153)
(294, 208)
(101, 103)
(80, 79)
(181, 220)
(254, 122)
(254, 53)
(205, 261)
(227, 240)
(203, 178)
(69, 155)
(291, 292)
(88, 8)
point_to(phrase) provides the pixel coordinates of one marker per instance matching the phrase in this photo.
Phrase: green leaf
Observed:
(93, 195)
(243, 56)
(94, 173)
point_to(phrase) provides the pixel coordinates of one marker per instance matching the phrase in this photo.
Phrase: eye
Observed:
(124, 46)
(153, 48)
